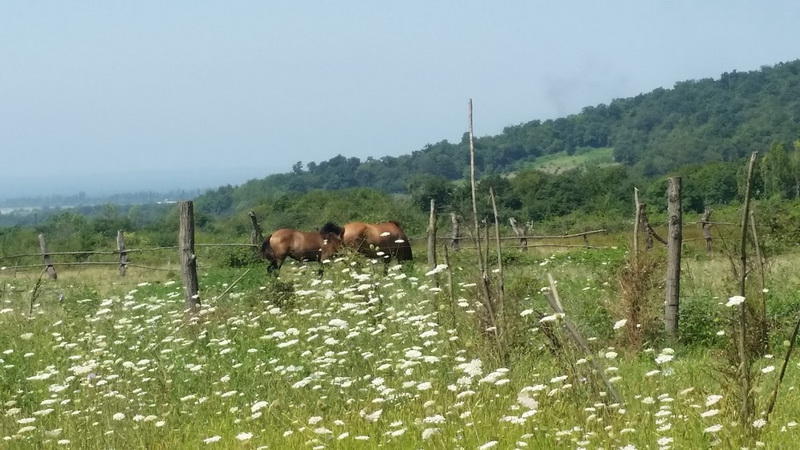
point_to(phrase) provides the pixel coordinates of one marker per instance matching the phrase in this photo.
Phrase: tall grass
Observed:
(356, 359)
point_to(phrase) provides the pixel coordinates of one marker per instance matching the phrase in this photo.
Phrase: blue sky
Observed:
(122, 96)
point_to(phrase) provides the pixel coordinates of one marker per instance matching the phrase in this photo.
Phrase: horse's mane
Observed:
(331, 228)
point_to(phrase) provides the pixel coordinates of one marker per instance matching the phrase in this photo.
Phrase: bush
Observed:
(700, 321)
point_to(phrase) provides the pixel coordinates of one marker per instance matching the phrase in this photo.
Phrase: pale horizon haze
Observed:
(109, 97)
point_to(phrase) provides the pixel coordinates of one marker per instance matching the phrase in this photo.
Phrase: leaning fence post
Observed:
(432, 236)
(123, 255)
(555, 303)
(48, 261)
(521, 231)
(674, 244)
(256, 236)
(187, 256)
(454, 243)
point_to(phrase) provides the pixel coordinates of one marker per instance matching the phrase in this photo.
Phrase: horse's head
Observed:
(332, 236)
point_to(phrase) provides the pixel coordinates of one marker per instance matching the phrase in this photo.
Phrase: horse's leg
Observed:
(386, 260)
(273, 268)
(275, 265)
(272, 265)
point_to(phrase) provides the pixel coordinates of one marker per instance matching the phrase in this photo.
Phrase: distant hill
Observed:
(696, 121)
(81, 199)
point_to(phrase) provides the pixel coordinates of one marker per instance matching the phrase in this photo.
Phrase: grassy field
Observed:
(359, 359)
(559, 162)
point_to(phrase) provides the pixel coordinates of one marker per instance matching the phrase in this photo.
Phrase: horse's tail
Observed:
(404, 252)
(266, 250)
(404, 249)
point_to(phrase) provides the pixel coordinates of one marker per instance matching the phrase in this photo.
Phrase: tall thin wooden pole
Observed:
(744, 356)
(487, 296)
(123, 255)
(188, 257)
(674, 244)
(636, 222)
(432, 235)
(501, 287)
(48, 261)
(481, 268)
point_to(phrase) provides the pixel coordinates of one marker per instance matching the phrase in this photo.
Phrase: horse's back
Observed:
(297, 244)
(385, 236)
(354, 233)
(282, 236)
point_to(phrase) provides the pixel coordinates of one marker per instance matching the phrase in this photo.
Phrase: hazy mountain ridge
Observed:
(695, 122)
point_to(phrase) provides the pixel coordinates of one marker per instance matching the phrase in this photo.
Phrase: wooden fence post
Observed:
(256, 236)
(187, 256)
(48, 261)
(705, 225)
(454, 243)
(432, 236)
(637, 220)
(123, 255)
(521, 231)
(674, 245)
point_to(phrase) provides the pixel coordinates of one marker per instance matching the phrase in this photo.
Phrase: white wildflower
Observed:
(713, 399)
(735, 300)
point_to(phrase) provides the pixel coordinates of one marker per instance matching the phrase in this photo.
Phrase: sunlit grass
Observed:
(356, 359)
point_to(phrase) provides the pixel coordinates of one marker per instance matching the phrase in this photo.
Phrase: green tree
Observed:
(423, 188)
(776, 172)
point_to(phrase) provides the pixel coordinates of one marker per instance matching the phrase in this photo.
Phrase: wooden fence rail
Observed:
(592, 247)
(88, 263)
(117, 252)
(516, 237)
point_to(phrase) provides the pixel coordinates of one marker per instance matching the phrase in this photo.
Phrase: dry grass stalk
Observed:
(640, 288)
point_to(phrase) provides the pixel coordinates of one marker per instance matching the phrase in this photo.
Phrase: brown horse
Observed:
(386, 240)
(301, 245)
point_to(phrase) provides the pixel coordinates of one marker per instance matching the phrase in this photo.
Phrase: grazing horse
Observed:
(301, 245)
(384, 239)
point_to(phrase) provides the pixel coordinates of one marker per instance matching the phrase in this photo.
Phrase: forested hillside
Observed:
(695, 122)
(559, 171)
